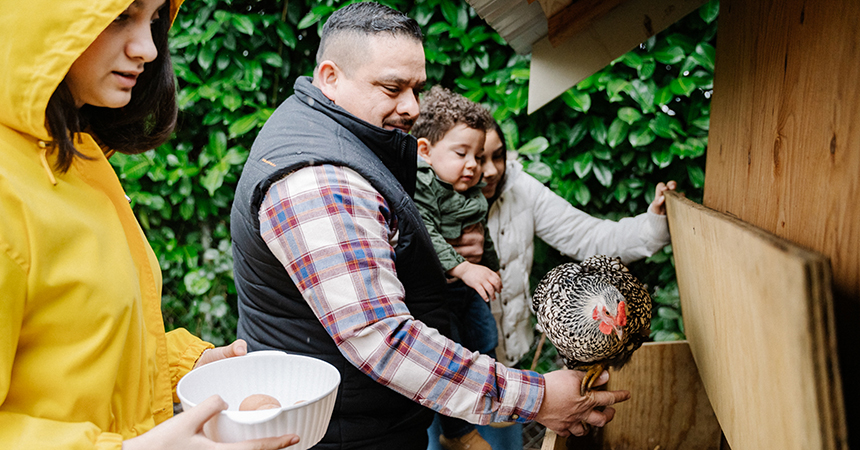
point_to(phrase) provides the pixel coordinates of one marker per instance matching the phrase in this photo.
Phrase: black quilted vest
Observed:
(309, 129)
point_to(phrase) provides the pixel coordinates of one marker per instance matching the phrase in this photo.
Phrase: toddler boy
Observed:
(451, 131)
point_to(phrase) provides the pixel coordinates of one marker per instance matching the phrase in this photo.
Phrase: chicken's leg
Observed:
(591, 375)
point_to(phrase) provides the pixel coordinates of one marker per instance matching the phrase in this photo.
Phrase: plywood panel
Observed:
(555, 69)
(668, 409)
(784, 145)
(758, 316)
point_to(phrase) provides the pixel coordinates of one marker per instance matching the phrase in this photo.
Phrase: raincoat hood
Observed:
(37, 48)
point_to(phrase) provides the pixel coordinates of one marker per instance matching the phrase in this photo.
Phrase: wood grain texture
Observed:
(784, 144)
(758, 316)
(554, 70)
(576, 17)
(551, 7)
(668, 406)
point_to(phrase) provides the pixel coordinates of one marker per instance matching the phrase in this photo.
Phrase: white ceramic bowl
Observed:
(288, 378)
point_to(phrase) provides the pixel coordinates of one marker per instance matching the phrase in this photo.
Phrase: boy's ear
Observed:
(424, 148)
(326, 77)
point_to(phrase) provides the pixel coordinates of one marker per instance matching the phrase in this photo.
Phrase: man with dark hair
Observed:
(332, 260)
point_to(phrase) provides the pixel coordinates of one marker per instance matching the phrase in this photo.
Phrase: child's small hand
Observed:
(481, 279)
(658, 206)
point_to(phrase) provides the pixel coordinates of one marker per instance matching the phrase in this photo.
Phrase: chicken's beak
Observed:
(619, 331)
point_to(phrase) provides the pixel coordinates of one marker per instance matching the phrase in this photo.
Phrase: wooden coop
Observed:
(769, 267)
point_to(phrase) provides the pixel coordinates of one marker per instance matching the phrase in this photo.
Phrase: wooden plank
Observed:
(551, 7)
(668, 407)
(555, 69)
(758, 316)
(552, 441)
(784, 144)
(576, 17)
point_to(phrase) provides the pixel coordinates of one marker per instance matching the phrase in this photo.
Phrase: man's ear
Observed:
(424, 148)
(326, 77)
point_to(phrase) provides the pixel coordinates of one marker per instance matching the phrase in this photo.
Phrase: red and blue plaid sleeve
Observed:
(334, 233)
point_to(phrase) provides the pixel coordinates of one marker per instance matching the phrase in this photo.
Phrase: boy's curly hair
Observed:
(442, 110)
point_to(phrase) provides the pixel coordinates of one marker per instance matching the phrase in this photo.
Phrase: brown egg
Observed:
(259, 401)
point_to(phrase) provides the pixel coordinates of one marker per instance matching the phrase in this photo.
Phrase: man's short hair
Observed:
(442, 110)
(358, 20)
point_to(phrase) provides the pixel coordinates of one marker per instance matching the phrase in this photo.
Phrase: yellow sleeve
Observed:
(21, 431)
(183, 350)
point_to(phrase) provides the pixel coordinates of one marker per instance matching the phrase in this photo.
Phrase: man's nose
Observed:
(408, 104)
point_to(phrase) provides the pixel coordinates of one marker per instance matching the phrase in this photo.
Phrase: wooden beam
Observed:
(551, 7)
(576, 17)
(758, 314)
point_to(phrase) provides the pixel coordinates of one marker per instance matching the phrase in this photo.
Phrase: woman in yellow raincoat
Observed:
(84, 359)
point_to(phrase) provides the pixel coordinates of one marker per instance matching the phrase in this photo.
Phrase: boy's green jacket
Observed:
(446, 212)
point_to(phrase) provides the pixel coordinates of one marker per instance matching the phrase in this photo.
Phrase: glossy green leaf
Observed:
(535, 146)
(670, 55)
(662, 157)
(196, 283)
(243, 125)
(620, 193)
(697, 176)
(577, 132)
(540, 171)
(643, 93)
(646, 70)
(662, 125)
(682, 86)
(602, 152)
(243, 24)
(603, 173)
(217, 143)
(617, 132)
(135, 168)
(629, 115)
(576, 99)
(582, 164)
(286, 34)
(640, 136)
(205, 57)
(705, 54)
(709, 11)
(598, 130)
(314, 16)
(663, 96)
(271, 58)
(581, 193)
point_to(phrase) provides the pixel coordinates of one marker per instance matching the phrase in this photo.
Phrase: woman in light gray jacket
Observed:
(522, 208)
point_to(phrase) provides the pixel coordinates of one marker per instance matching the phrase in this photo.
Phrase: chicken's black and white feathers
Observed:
(564, 302)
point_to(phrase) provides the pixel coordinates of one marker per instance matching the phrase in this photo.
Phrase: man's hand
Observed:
(658, 206)
(480, 278)
(563, 410)
(470, 244)
(238, 348)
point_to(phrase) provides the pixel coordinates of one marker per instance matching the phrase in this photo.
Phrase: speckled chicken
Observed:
(596, 313)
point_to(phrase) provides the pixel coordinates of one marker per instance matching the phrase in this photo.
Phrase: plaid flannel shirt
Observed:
(334, 234)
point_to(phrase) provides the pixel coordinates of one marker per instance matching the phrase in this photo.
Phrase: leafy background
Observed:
(603, 145)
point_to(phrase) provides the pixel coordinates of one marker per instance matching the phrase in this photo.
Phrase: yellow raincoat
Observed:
(84, 359)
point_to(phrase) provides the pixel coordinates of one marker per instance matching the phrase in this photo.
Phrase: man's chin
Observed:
(402, 128)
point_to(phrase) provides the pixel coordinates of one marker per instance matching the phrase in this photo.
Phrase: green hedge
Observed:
(603, 145)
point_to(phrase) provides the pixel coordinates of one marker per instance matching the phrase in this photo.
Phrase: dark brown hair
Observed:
(367, 18)
(146, 122)
(442, 110)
